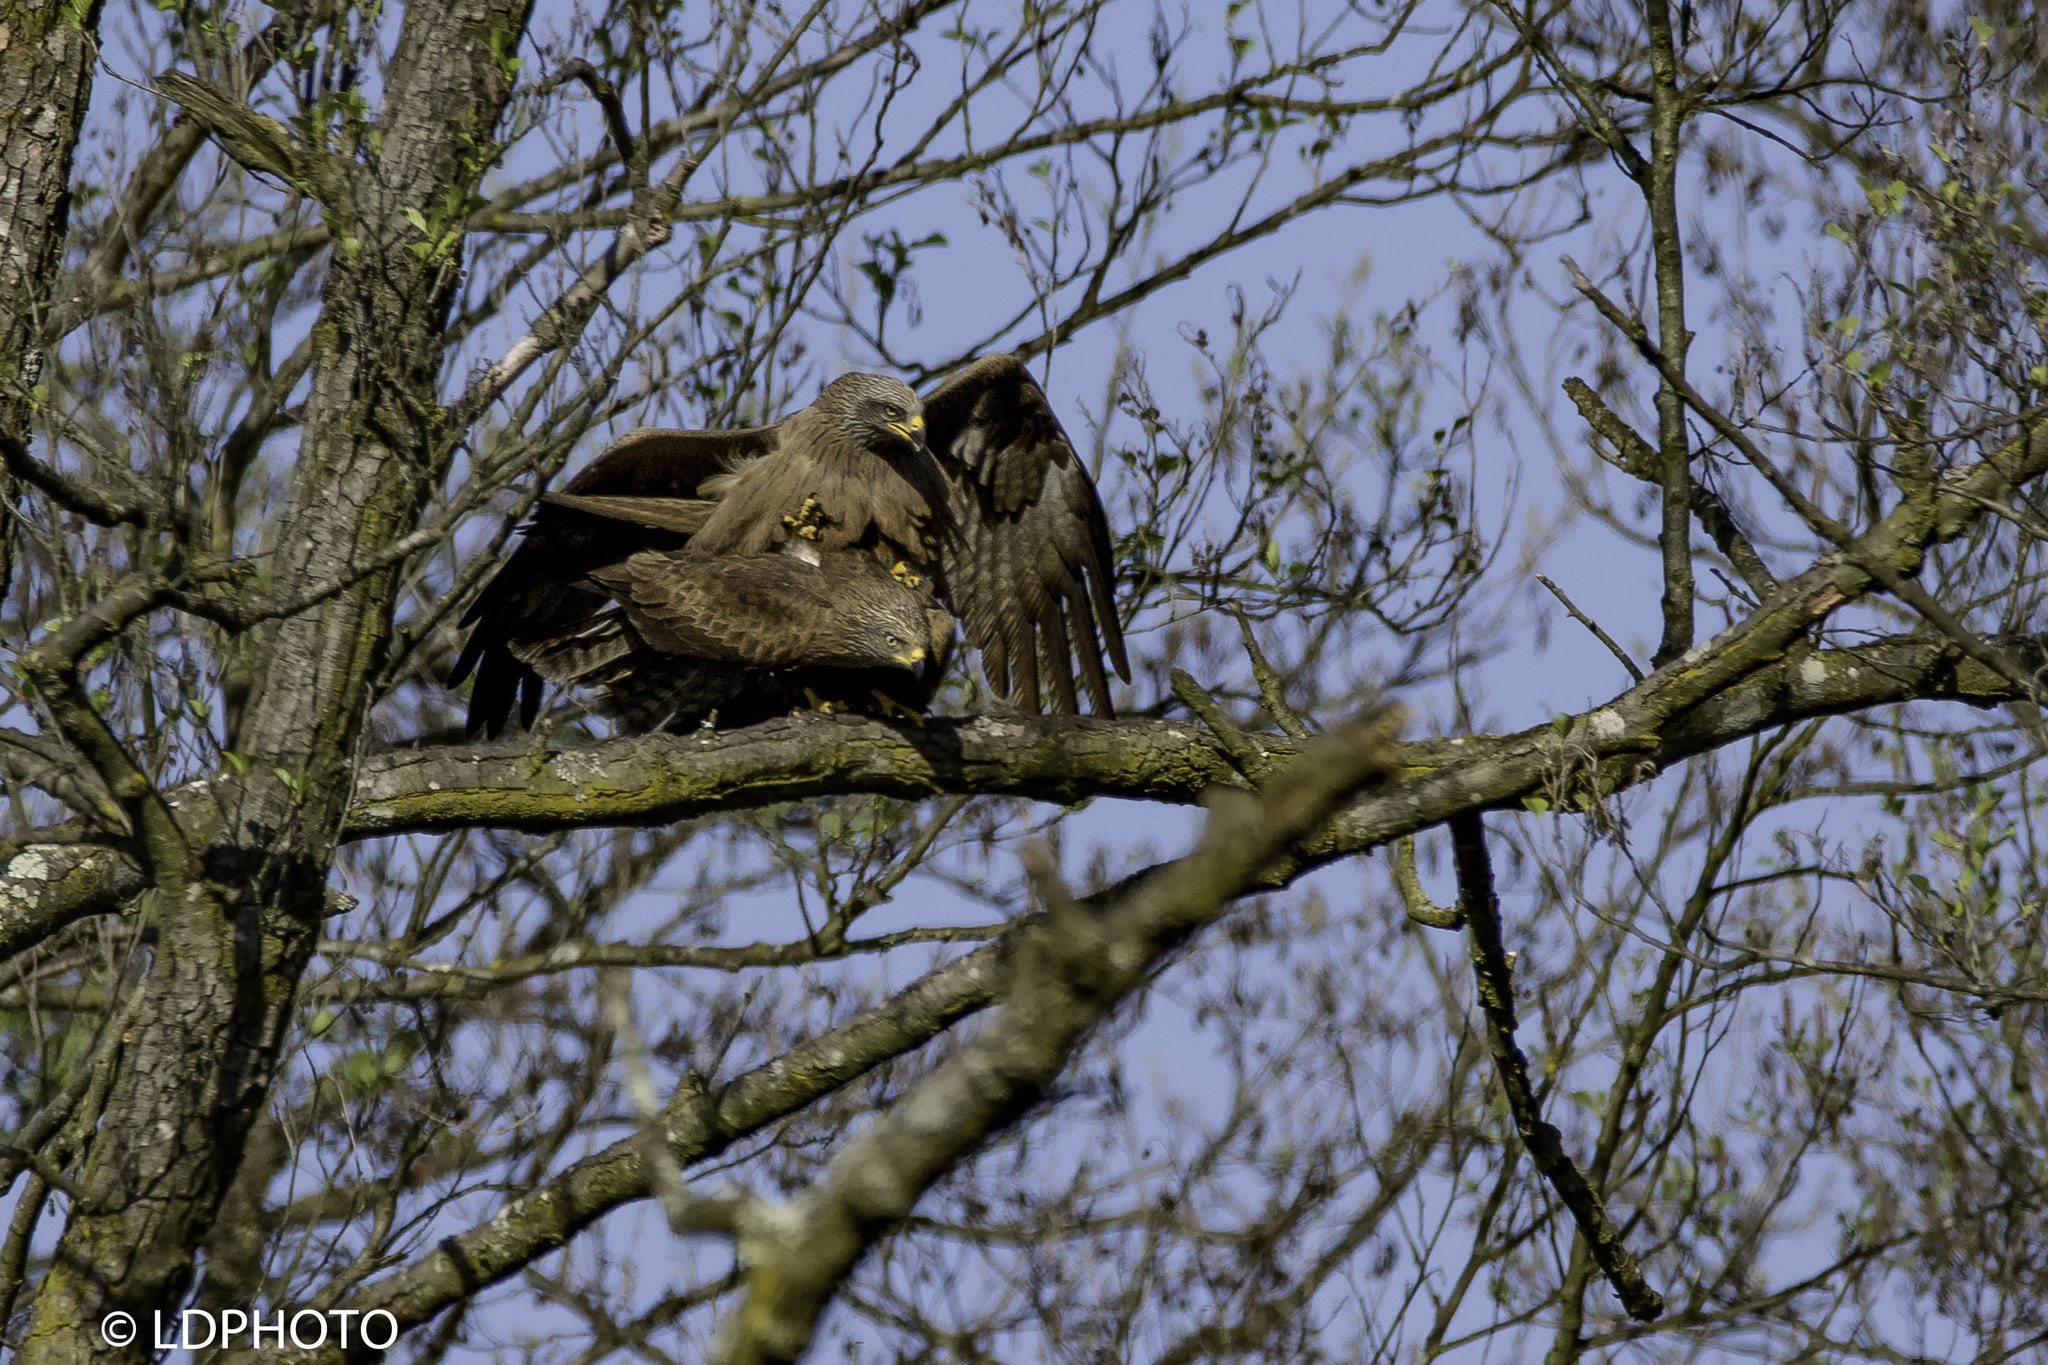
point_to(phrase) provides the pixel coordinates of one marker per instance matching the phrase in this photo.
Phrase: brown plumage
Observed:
(748, 637)
(665, 569)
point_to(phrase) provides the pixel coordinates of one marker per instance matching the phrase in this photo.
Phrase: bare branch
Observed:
(1493, 971)
(1070, 973)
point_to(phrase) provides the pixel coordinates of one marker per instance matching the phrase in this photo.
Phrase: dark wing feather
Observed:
(656, 462)
(534, 597)
(1031, 555)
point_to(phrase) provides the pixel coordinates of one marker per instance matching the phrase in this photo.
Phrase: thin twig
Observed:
(614, 113)
(1590, 624)
(1271, 694)
(1242, 753)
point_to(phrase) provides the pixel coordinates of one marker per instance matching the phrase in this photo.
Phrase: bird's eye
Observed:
(892, 412)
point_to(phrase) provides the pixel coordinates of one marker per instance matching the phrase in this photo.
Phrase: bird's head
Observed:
(885, 628)
(887, 413)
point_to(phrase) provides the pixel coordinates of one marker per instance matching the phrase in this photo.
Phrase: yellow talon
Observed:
(807, 521)
(907, 576)
(821, 706)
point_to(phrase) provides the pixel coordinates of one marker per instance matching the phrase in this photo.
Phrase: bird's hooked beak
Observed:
(911, 657)
(911, 429)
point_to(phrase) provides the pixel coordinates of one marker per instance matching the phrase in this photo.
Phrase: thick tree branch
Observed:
(661, 779)
(44, 887)
(1070, 971)
(1674, 464)
(47, 60)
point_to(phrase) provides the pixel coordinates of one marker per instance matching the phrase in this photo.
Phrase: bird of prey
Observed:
(747, 638)
(745, 573)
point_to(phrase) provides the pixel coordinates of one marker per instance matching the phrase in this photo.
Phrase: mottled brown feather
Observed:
(867, 491)
(771, 611)
(1032, 553)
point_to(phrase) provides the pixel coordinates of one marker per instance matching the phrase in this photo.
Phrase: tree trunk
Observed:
(241, 902)
(46, 59)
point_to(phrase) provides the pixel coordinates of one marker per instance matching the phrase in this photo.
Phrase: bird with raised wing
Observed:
(741, 574)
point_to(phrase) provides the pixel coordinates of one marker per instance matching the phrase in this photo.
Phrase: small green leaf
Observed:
(1837, 231)
(1561, 724)
(1982, 30)
(1854, 361)
(1535, 804)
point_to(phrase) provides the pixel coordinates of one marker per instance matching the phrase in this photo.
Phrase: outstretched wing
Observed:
(1029, 569)
(640, 494)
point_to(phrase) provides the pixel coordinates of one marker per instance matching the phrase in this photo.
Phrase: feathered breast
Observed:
(855, 491)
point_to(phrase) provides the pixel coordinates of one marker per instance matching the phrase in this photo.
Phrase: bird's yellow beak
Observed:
(910, 429)
(911, 657)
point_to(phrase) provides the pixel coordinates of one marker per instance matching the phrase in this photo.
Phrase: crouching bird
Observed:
(692, 576)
